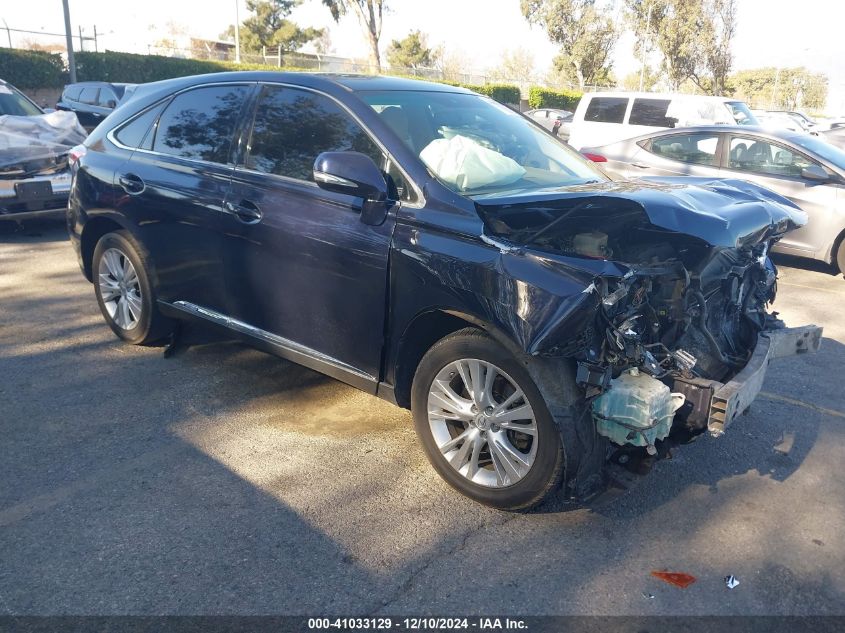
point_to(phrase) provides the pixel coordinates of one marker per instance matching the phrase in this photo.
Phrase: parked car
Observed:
(93, 100)
(556, 121)
(834, 136)
(776, 121)
(433, 247)
(34, 147)
(608, 117)
(801, 167)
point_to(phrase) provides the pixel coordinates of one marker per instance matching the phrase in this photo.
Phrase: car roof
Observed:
(785, 135)
(657, 95)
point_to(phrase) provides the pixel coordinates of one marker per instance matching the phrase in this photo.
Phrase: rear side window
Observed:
(699, 149)
(606, 109)
(89, 95)
(200, 123)
(292, 127)
(651, 112)
(73, 93)
(137, 130)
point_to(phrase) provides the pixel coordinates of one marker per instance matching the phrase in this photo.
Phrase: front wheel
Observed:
(483, 423)
(124, 291)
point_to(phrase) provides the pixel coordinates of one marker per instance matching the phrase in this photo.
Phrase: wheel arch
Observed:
(423, 331)
(93, 230)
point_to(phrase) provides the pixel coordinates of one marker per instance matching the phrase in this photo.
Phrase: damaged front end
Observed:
(680, 334)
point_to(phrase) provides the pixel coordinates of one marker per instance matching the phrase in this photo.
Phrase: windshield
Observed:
(14, 103)
(741, 113)
(822, 149)
(475, 145)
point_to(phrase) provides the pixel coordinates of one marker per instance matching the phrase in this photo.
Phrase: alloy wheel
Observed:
(120, 289)
(482, 423)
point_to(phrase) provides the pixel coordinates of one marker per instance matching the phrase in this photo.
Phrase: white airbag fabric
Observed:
(462, 162)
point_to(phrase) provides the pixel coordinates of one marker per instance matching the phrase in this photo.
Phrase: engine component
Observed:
(695, 413)
(637, 410)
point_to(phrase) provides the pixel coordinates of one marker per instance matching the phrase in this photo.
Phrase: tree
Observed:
(650, 79)
(585, 33)
(694, 38)
(370, 15)
(410, 52)
(780, 88)
(517, 65)
(268, 26)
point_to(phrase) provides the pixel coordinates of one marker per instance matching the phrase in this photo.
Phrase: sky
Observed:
(769, 33)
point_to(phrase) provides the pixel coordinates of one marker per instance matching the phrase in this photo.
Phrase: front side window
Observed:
(606, 110)
(699, 149)
(651, 112)
(475, 145)
(105, 97)
(761, 157)
(200, 123)
(292, 127)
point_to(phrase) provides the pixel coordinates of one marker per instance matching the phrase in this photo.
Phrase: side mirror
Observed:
(815, 173)
(352, 173)
(111, 104)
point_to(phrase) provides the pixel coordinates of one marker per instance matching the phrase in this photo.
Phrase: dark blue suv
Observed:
(435, 248)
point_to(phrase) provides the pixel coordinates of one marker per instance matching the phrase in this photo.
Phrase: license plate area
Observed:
(36, 190)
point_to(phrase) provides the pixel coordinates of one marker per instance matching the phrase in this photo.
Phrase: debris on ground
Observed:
(647, 595)
(675, 578)
(731, 581)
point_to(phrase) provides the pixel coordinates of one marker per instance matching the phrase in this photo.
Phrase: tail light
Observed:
(596, 158)
(75, 153)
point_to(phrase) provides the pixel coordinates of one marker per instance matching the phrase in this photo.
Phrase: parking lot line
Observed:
(801, 403)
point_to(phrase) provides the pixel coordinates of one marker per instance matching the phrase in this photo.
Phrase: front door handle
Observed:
(131, 183)
(246, 211)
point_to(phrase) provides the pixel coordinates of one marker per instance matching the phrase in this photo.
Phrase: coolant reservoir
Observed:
(637, 409)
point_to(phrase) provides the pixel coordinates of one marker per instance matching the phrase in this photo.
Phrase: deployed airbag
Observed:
(24, 139)
(463, 163)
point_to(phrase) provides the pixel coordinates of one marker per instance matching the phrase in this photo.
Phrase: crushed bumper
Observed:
(731, 399)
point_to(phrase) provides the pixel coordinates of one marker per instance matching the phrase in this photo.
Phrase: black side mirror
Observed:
(350, 172)
(111, 104)
(815, 173)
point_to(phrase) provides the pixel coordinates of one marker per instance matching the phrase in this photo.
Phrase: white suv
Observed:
(607, 117)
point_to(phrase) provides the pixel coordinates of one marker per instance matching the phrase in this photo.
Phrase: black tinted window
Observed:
(651, 112)
(133, 133)
(606, 109)
(89, 95)
(292, 127)
(200, 123)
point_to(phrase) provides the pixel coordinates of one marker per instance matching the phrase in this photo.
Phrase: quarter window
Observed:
(200, 123)
(292, 127)
(699, 149)
(651, 112)
(754, 155)
(133, 133)
(606, 109)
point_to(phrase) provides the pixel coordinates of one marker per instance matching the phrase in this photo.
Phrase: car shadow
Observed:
(811, 265)
(33, 231)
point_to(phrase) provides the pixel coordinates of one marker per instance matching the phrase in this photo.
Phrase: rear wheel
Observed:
(484, 424)
(124, 292)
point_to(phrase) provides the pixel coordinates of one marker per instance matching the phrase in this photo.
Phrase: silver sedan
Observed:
(802, 167)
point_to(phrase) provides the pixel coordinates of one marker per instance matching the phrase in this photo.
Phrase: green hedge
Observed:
(32, 69)
(545, 98)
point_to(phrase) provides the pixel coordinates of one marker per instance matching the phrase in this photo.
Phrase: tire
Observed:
(481, 443)
(121, 271)
(840, 255)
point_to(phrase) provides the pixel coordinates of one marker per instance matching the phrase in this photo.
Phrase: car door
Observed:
(778, 167)
(174, 187)
(302, 269)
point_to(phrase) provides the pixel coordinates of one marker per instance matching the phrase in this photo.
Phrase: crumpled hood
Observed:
(722, 212)
(35, 144)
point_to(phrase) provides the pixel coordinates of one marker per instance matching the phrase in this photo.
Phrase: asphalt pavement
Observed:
(226, 481)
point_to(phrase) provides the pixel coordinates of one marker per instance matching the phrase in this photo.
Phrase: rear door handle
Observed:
(246, 211)
(131, 183)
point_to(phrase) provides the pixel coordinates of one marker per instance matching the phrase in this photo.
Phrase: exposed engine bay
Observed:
(679, 323)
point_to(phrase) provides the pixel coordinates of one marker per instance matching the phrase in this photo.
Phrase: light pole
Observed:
(645, 46)
(237, 34)
(71, 62)
(8, 32)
